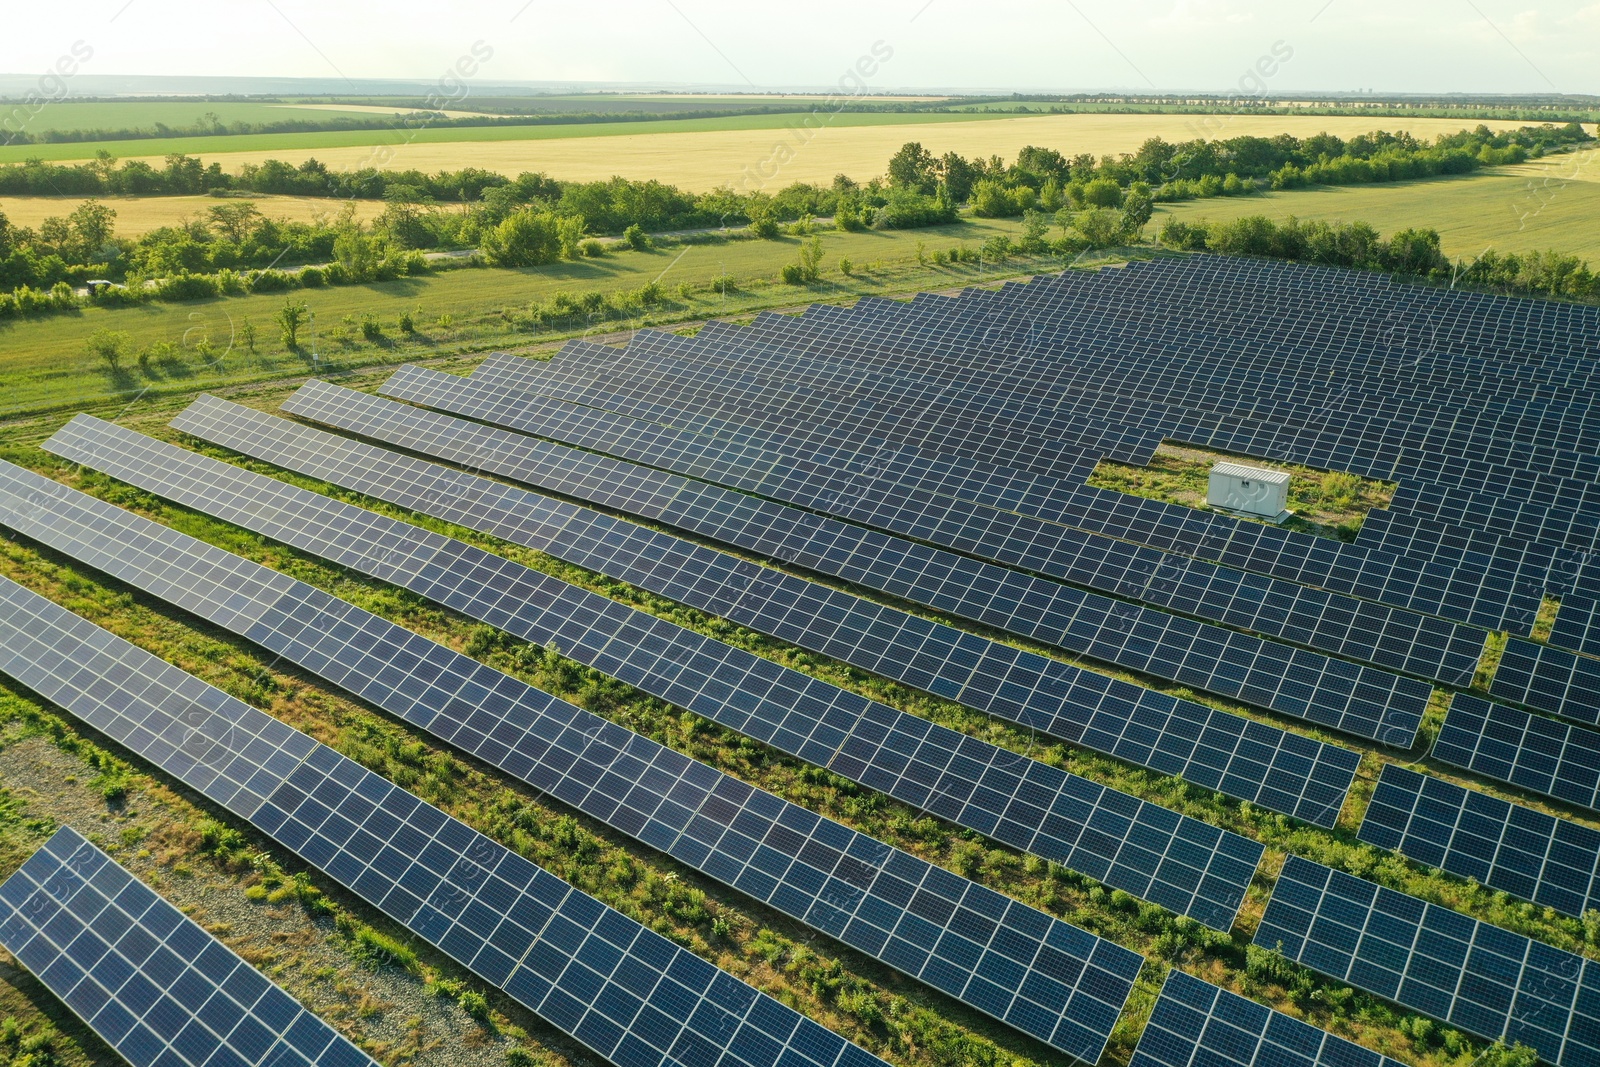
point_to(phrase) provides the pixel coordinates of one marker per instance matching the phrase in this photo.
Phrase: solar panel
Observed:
(968, 941)
(1362, 630)
(1140, 847)
(1550, 758)
(623, 991)
(1212, 658)
(1196, 1024)
(1548, 679)
(1507, 847)
(1261, 763)
(145, 977)
(1484, 980)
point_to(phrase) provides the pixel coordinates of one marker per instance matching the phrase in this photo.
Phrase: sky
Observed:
(1394, 46)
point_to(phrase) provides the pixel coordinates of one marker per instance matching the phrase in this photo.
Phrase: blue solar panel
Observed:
(145, 977)
(1195, 1024)
(1487, 981)
(1550, 861)
(1112, 836)
(840, 882)
(625, 992)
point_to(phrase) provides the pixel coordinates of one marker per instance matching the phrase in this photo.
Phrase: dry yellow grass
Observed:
(703, 160)
(138, 215)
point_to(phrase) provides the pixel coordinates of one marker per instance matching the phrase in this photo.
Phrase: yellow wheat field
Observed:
(753, 159)
(138, 215)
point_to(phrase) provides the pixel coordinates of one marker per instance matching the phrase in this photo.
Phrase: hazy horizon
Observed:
(1438, 47)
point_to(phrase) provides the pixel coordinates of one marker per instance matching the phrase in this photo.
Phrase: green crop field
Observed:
(1536, 209)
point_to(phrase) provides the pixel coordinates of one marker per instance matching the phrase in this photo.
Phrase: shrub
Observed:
(371, 328)
(276, 281)
(634, 237)
(291, 317)
(408, 321)
(108, 346)
(593, 249)
(845, 266)
(313, 277)
(474, 1004)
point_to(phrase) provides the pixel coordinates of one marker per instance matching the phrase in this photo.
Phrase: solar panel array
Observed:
(1365, 702)
(1195, 1024)
(147, 978)
(977, 945)
(1538, 857)
(729, 372)
(1182, 863)
(1241, 757)
(1335, 623)
(1550, 758)
(1484, 980)
(626, 992)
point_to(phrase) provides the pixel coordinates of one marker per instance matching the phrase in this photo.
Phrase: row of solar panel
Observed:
(155, 986)
(970, 942)
(1277, 769)
(147, 978)
(660, 366)
(1143, 573)
(1179, 387)
(1388, 637)
(624, 991)
(1234, 403)
(1181, 863)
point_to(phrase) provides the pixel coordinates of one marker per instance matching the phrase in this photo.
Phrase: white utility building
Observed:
(1249, 490)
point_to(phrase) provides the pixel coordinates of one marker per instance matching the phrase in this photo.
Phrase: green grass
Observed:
(1519, 212)
(44, 363)
(1328, 504)
(297, 142)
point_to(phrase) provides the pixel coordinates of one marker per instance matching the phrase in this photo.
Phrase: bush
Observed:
(280, 282)
(809, 269)
(371, 328)
(186, 286)
(526, 238)
(291, 317)
(846, 267)
(313, 277)
(109, 347)
(634, 237)
(474, 1004)
(593, 249)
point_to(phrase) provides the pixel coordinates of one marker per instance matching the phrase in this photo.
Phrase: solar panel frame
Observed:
(1489, 982)
(1283, 771)
(1506, 847)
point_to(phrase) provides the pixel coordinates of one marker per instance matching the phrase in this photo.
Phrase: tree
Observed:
(1137, 210)
(809, 269)
(569, 231)
(1101, 227)
(913, 167)
(992, 200)
(358, 253)
(108, 346)
(526, 238)
(1102, 192)
(958, 174)
(236, 222)
(1035, 225)
(291, 317)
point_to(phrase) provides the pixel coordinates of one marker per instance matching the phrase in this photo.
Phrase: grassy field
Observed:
(1530, 208)
(137, 215)
(44, 362)
(742, 151)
